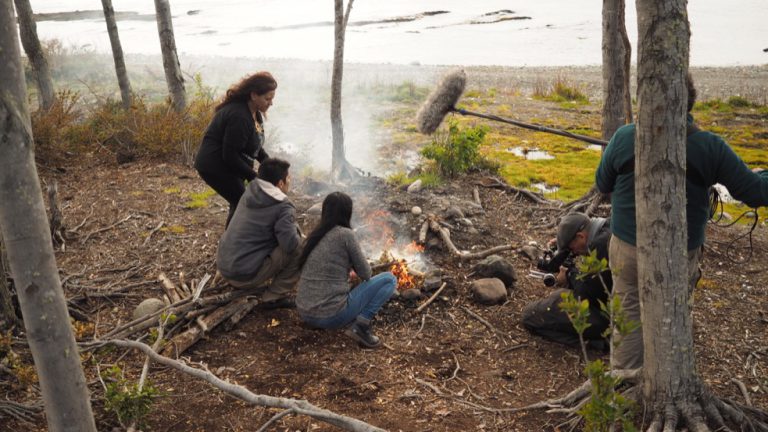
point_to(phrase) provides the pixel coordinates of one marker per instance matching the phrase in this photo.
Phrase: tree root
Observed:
(704, 414)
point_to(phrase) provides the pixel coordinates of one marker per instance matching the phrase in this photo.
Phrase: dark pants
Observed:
(544, 318)
(229, 186)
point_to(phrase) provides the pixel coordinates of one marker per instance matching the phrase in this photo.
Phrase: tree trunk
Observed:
(8, 317)
(617, 52)
(24, 228)
(34, 51)
(117, 53)
(338, 157)
(173, 76)
(669, 376)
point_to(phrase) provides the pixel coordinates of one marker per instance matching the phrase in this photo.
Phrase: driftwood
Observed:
(170, 288)
(300, 407)
(423, 232)
(495, 183)
(180, 309)
(445, 236)
(181, 342)
(431, 299)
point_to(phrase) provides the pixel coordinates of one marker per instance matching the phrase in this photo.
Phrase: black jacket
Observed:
(231, 143)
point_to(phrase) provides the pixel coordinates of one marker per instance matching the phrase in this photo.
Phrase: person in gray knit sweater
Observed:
(324, 299)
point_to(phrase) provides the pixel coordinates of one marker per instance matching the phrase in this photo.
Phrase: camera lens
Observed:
(549, 279)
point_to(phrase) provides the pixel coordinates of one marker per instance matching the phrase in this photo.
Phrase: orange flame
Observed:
(404, 279)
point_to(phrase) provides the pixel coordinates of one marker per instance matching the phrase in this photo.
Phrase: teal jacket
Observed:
(709, 158)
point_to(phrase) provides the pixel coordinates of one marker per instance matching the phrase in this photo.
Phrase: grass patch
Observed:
(199, 199)
(561, 91)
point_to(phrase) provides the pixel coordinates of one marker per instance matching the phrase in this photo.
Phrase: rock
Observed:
(316, 209)
(148, 307)
(454, 212)
(411, 294)
(495, 266)
(533, 253)
(414, 187)
(416, 211)
(473, 231)
(432, 281)
(489, 291)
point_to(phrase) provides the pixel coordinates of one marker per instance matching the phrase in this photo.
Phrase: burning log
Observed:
(406, 279)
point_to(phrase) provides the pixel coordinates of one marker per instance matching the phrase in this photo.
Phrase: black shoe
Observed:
(360, 331)
(281, 303)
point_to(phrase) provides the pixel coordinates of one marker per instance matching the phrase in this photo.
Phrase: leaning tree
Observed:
(171, 65)
(117, 53)
(338, 158)
(27, 238)
(35, 54)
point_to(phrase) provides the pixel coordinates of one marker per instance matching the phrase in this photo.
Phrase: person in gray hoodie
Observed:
(324, 299)
(263, 240)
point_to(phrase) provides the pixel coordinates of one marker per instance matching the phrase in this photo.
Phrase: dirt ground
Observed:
(476, 369)
(442, 368)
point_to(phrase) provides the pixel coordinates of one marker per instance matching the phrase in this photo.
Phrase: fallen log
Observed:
(445, 236)
(181, 342)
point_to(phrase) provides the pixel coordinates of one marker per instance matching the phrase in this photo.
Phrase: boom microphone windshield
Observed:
(441, 101)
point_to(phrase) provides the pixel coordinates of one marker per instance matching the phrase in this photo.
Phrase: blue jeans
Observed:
(364, 300)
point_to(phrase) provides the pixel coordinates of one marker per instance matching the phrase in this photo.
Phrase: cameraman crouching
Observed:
(578, 234)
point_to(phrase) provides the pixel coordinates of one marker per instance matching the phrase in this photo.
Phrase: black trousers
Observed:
(229, 186)
(544, 318)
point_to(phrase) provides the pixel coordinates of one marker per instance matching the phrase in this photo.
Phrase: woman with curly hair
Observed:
(235, 138)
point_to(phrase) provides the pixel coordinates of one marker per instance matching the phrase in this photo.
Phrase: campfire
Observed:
(405, 280)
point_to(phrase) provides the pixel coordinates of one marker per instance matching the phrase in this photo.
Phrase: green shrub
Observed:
(123, 398)
(739, 102)
(457, 151)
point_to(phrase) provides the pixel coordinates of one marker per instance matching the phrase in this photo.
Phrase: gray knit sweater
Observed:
(324, 285)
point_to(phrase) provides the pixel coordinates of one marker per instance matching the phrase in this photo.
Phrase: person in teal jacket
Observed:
(709, 161)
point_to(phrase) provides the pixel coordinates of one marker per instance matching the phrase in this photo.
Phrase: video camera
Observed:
(550, 264)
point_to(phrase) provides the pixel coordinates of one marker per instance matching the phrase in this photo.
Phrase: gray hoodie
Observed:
(263, 220)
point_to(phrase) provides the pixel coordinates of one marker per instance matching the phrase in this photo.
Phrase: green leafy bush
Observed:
(125, 399)
(457, 151)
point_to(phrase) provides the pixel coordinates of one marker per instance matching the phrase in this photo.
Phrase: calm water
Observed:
(558, 32)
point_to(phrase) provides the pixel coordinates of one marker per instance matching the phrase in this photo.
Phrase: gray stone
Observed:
(148, 307)
(489, 291)
(454, 212)
(432, 282)
(411, 294)
(414, 187)
(531, 252)
(495, 266)
(416, 211)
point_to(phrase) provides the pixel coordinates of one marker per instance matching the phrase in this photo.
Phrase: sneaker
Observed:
(361, 333)
(281, 303)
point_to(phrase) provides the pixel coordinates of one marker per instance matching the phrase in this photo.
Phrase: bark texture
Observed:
(8, 317)
(24, 228)
(338, 157)
(171, 65)
(617, 53)
(117, 53)
(669, 375)
(33, 49)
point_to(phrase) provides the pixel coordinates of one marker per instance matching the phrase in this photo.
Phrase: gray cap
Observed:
(570, 224)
